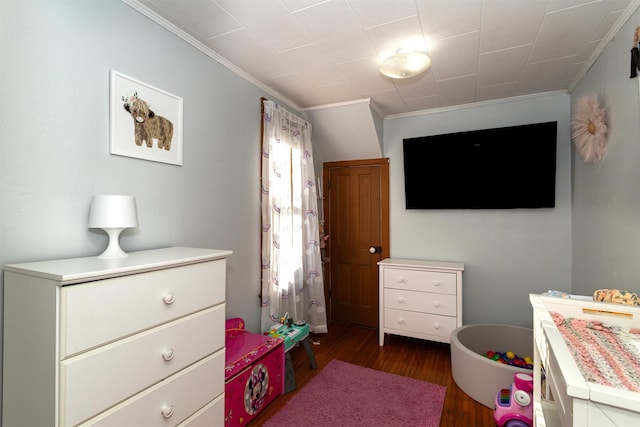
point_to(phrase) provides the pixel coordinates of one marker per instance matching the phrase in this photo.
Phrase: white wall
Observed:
(507, 253)
(606, 195)
(54, 146)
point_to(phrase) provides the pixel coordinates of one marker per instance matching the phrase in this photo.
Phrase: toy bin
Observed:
(479, 376)
(254, 372)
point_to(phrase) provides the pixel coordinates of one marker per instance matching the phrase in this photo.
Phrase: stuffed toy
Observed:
(616, 296)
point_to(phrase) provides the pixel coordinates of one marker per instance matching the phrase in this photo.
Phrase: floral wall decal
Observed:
(589, 128)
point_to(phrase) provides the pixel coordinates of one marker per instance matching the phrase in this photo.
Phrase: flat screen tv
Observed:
(501, 168)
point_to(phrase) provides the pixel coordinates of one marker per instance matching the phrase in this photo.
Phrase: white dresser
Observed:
(420, 299)
(136, 341)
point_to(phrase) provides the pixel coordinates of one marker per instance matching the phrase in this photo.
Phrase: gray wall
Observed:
(507, 253)
(54, 146)
(606, 195)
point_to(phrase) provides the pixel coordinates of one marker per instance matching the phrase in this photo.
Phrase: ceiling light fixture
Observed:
(405, 64)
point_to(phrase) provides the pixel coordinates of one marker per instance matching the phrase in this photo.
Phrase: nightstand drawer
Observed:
(419, 323)
(417, 280)
(100, 378)
(423, 302)
(174, 400)
(99, 312)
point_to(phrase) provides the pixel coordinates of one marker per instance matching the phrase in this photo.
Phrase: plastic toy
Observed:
(510, 358)
(514, 405)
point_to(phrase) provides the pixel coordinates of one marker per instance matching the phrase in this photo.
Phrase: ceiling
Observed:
(315, 53)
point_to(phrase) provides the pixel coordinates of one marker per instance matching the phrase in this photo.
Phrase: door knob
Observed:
(375, 250)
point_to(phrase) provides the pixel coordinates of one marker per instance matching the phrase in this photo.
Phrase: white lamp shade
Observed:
(113, 211)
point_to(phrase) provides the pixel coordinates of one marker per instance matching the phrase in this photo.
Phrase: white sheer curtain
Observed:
(291, 261)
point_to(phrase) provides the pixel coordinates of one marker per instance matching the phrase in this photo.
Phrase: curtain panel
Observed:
(291, 280)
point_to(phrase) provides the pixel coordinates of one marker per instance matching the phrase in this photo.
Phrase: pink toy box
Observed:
(254, 373)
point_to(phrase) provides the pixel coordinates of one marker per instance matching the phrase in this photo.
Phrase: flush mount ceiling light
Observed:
(405, 64)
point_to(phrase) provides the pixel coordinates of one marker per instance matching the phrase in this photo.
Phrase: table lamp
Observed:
(113, 213)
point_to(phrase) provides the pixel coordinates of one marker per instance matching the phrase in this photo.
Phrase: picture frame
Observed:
(145, 121)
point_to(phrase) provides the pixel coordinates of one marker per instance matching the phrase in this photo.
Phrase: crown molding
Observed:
(144, 10)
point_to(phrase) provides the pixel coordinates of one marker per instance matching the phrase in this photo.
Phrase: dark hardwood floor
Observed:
(424, 360)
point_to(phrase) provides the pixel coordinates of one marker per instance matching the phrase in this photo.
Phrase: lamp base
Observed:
(113, 249)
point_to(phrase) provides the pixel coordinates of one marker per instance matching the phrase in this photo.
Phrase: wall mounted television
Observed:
(501, 168)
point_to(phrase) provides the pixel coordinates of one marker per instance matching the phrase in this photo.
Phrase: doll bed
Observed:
(562, 396)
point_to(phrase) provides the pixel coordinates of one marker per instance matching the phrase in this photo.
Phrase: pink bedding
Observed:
(605, 354)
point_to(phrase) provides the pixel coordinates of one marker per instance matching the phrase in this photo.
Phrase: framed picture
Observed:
(146, 122)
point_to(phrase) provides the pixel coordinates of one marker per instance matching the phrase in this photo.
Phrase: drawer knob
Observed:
(401, 300)
(436, 304)
(436, 283)
(400, 279)
(168, 354)
(436, 325)
(400, 320)
(169, 298)
(167, 411)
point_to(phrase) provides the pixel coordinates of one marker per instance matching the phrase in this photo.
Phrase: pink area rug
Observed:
(343, 394)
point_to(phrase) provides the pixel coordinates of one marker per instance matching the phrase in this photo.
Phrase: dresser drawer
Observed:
(172, 401)
(102, 311)
(419, 323)
(100, 378)
(209, 416)
(423, 302)
(420, 280)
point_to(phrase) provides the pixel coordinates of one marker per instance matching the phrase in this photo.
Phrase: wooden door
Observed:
(356, 207)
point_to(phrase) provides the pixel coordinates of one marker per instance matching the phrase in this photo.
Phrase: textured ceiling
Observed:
(318, 52)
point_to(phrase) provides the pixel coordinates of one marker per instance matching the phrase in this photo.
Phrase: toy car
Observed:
(514, 405)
